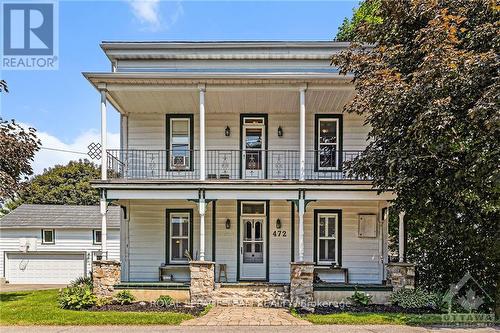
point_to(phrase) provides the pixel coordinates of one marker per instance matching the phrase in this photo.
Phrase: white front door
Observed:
(253, 154)
(253, 244)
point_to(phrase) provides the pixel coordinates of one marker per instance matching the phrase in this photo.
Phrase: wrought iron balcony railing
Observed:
(224, 164)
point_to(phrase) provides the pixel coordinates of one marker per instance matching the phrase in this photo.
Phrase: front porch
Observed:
(256, 293)
(256, 240)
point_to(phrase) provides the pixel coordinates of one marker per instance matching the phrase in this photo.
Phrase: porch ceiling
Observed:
(249, 95)
(237, 101)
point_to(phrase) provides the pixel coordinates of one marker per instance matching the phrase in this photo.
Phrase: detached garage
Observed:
(53, 244)
(44, 268)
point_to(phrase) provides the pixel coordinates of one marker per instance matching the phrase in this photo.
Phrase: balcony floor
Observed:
(234, 181)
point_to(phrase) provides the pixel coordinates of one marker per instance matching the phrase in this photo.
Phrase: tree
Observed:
(363, 17)
(18, 147)
(430, 91)
(61, 185)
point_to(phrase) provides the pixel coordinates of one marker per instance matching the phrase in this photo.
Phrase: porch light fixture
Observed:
(278, 224)
(228, 224)
(280, 131)
(227, 131)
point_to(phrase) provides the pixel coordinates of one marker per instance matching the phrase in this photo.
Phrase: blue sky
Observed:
(63, 106)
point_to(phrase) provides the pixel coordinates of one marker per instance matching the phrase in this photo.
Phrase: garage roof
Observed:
(59, 216)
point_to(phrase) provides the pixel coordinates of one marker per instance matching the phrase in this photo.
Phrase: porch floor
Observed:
(165, 285)
(328, 286)
(333, 286)
(250, 284)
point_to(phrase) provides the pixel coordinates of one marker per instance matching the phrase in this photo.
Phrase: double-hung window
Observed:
(48, 236)
(327, 238)
(179, 235)
(180, 142)
(97, 236)
(328, 145)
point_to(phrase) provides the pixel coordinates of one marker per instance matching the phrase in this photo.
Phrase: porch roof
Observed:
(242, 190)
(223, 77)
(225, 91)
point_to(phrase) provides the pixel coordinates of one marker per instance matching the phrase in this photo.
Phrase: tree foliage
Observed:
(429, 89)
(61, 185)
(362, 18)
(17, 150)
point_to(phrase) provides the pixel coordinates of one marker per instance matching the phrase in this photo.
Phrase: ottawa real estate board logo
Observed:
(29, 35)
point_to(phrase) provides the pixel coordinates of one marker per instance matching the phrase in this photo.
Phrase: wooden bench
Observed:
(334, 269)
(163, 270)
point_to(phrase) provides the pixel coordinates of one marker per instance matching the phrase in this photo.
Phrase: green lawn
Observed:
(373, 319)
(41, 308)
(347, 318)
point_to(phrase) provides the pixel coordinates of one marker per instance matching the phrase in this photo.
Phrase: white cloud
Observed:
(148, 13)
(45, 158)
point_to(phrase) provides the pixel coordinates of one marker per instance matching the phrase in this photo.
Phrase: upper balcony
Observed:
(223, 165)
(177, 101)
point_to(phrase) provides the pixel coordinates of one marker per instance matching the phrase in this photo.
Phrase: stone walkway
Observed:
(246, 316)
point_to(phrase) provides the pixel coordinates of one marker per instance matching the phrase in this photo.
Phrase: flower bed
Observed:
(194, 310)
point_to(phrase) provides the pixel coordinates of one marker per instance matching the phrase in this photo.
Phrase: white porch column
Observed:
(104, 227)
(104, 156)
(202, 132)
(302, 131)
(202, 208)
(401, 249)
(124, 132)
(301, 229)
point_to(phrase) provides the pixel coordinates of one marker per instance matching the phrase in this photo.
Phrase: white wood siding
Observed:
(360, 255)
(225, 244)
(147, 237)
(66, 240)
(279, 246)
(147, 131)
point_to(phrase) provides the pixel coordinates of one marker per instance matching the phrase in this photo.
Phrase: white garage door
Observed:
(44, 268)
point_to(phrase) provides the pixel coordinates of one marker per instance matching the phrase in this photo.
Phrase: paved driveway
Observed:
(245, 329)
(24, 287)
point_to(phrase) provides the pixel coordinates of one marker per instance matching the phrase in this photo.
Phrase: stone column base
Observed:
(301, 285)
(105, 275)
(401, 275)
(202, 281)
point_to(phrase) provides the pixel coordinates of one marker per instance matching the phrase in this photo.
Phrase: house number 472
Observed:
(279, 233)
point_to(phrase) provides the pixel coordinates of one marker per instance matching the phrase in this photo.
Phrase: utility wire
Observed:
(64, 150)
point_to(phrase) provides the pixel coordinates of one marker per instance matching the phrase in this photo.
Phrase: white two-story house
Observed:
(235, 153)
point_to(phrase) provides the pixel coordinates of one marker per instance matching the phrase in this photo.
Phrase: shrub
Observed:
(76, 297)
(360, 298)
(414, 298)
(164, 300)
(124, 297)
(102, 301)
(82, 281)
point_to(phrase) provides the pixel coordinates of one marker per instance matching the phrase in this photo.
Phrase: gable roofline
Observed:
(227, 50)
(108, 45)
(33, 216)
